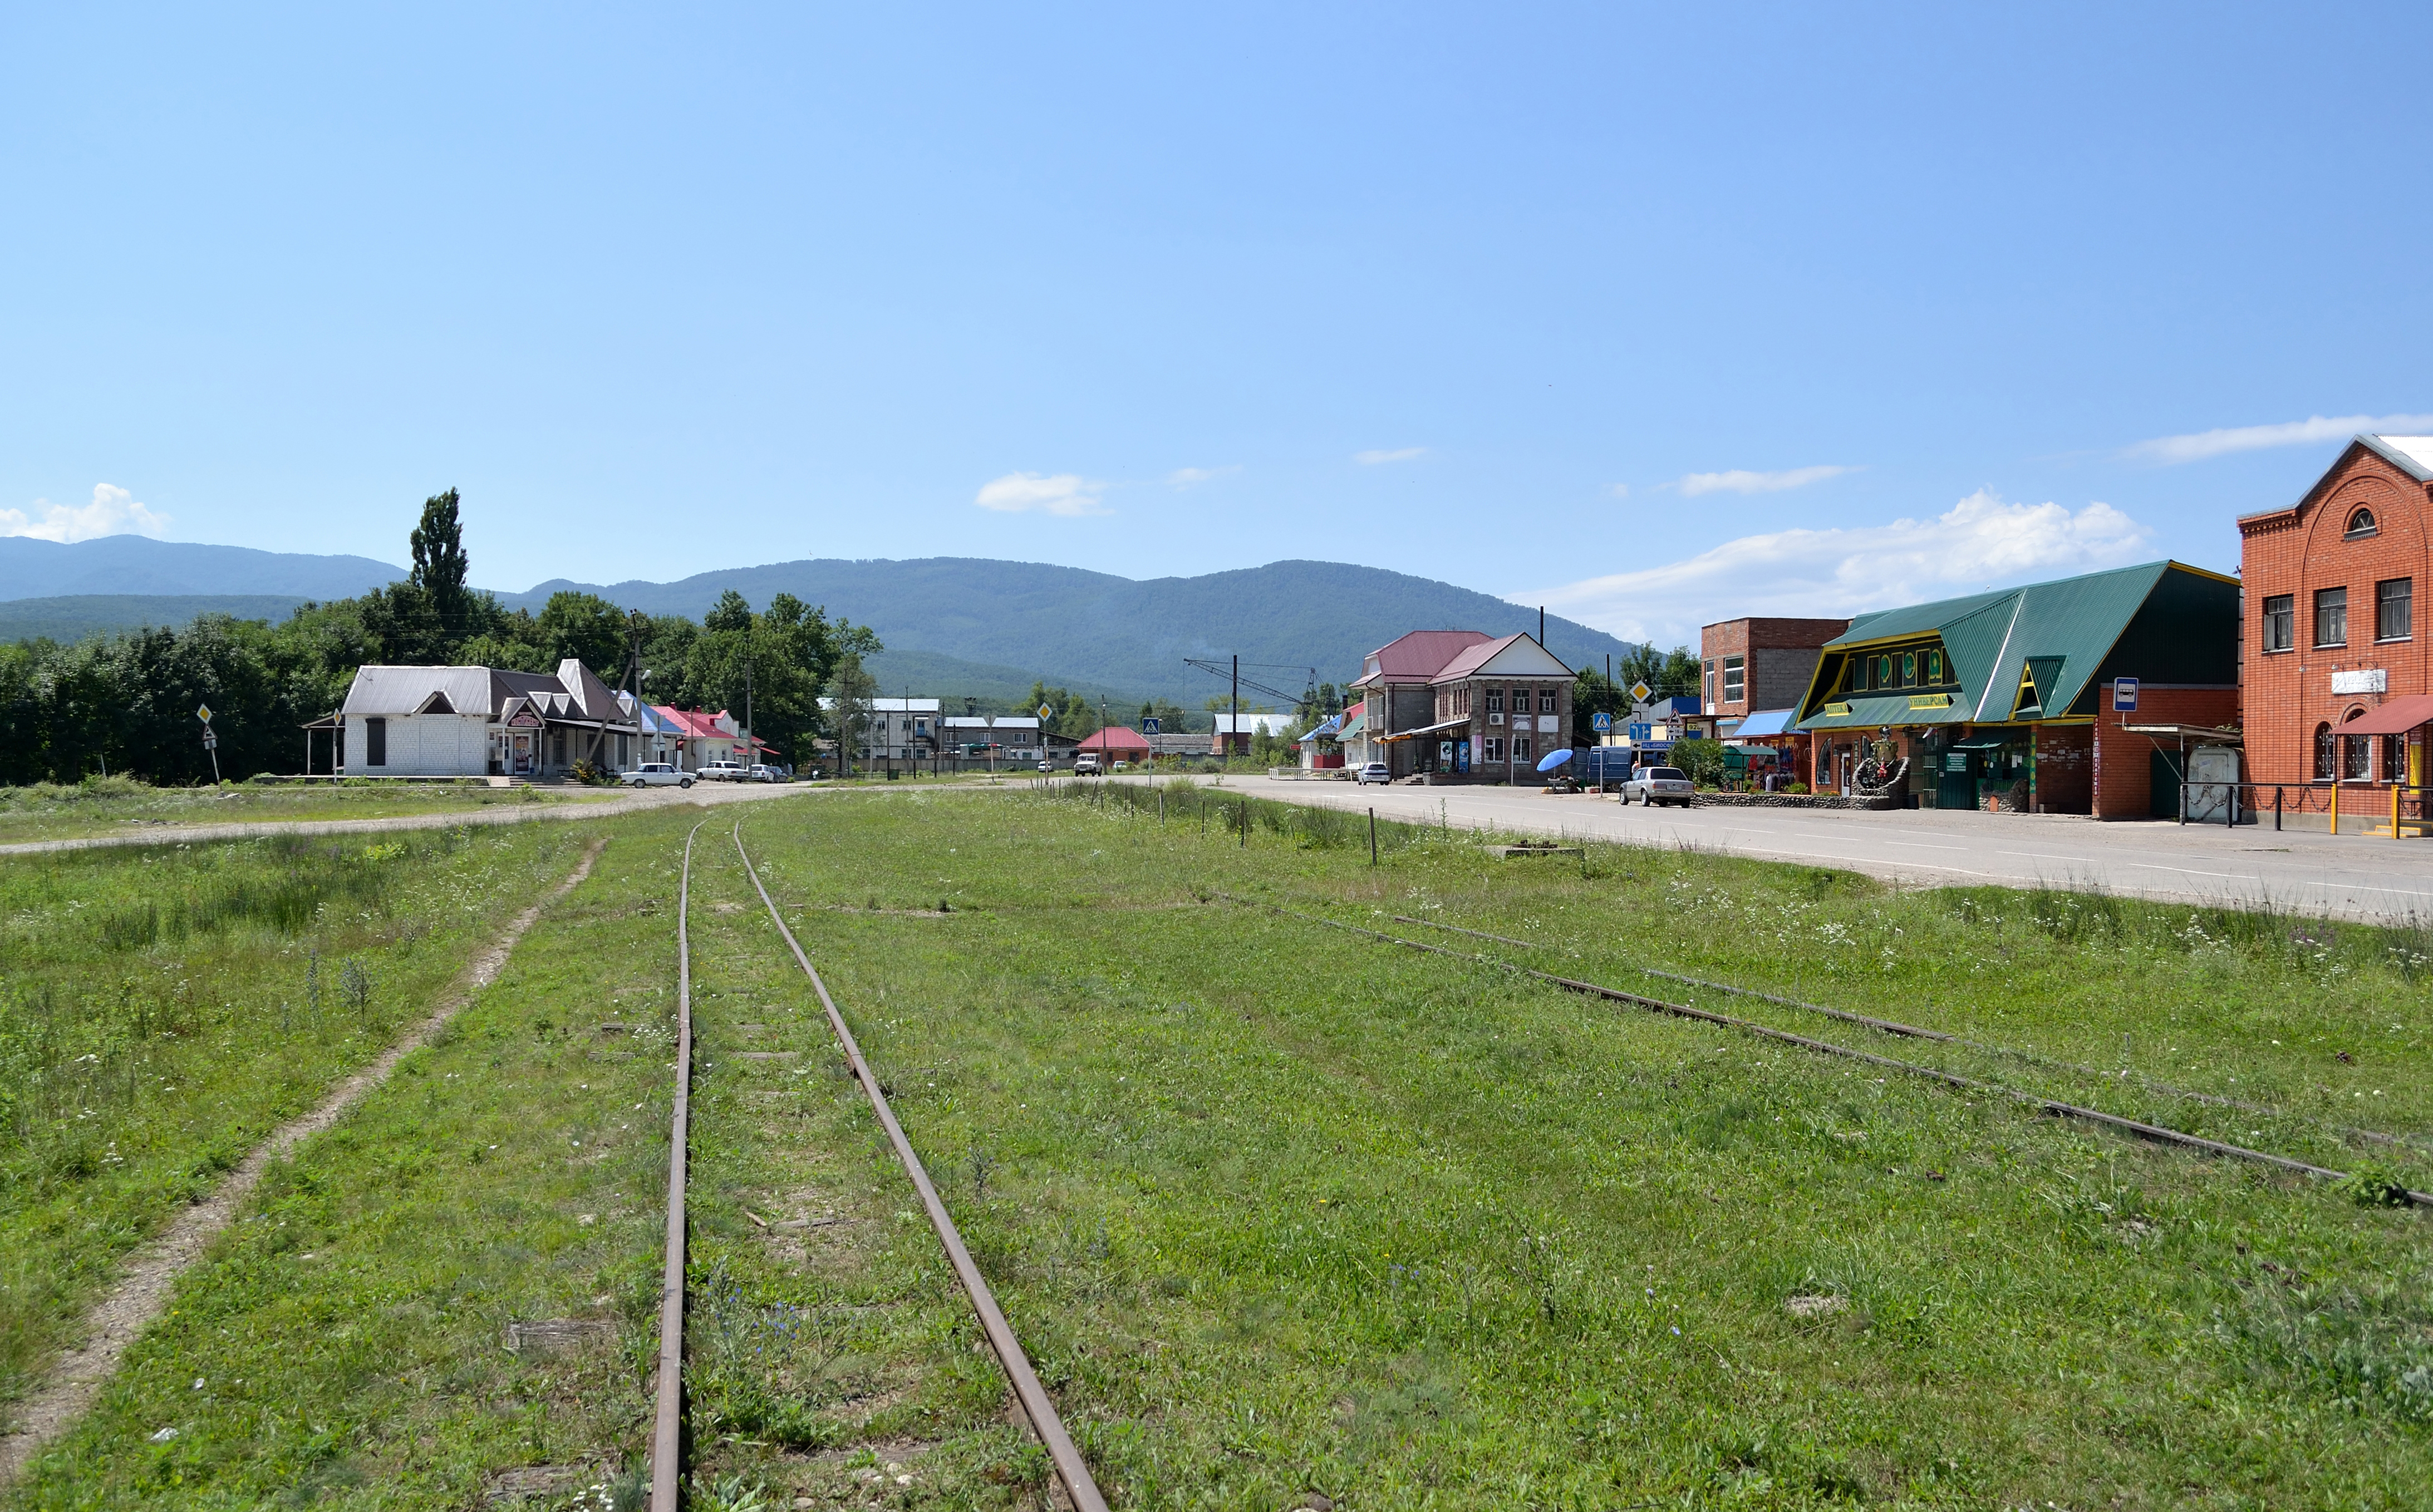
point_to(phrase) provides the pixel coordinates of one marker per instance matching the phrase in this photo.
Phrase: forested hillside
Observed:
(1065, 624)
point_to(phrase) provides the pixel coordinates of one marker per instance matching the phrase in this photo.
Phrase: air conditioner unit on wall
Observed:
(1495, 716)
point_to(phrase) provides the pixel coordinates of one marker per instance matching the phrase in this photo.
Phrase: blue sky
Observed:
(1657, 317)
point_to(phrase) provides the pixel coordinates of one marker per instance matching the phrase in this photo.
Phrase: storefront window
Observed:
(2324, 747)
(2356, 750)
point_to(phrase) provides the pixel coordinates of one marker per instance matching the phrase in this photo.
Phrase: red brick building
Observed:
(2334, 673)
(1748, 665)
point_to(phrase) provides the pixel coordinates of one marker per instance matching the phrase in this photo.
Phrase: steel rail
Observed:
(1037, 1405)
(667, 1437)
(1891, 1026)
(1951, 1079)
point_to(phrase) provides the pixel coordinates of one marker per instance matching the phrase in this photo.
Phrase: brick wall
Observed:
(2296, 551)
(1781, 656)
(2064, 768)
(2124, 763)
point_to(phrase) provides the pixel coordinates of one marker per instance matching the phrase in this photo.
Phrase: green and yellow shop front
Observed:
(1994, 700)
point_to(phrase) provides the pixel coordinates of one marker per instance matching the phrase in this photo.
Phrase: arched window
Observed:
(2356, 752)
(2362, 523)
(2324, 747)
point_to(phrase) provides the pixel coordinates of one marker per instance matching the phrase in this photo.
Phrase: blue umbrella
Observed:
(1555, 759)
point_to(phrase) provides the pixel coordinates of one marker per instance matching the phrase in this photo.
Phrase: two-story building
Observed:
(2337, 686)
(1461, 706)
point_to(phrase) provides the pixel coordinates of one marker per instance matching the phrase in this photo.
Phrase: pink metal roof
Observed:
(1115, 738)
(692, 724)
(1473, 658)
(1417, 657)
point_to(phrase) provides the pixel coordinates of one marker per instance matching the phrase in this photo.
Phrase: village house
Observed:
(476, 722)
(2080, 696)
(2338, 688)
(1462, 706)
(1113, 744)
(701, 737)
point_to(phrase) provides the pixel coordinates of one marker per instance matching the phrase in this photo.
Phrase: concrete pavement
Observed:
(2383, 880)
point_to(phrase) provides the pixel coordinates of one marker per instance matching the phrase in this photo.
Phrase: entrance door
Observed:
(2166, 770)
(1956, 785)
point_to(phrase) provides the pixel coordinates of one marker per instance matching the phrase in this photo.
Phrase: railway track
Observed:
(1038, 1409)
(2155, 1132)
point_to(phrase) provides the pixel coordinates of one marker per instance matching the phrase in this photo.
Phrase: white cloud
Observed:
(1186, 477)
(1740, 481)
(1980, 540)
(1370, 459)
(2199, 446)
(1065, 493)
(1622, 490)
(112, 512)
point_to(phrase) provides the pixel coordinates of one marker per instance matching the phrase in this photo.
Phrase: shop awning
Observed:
(1427, 729)
(1983, 741)
(2398, 717)
(1763, 723)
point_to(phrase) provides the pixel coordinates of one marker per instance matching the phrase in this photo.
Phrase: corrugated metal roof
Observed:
(402, 690)
(1418, 656)
(1763, 722)
(2072, 628)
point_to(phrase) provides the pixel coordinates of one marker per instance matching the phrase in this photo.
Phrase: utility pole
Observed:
(1541, 625)
(747, 707)
(1238, 696)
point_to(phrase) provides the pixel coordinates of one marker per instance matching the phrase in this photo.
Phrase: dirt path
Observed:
(119, 1319)
(725, 792)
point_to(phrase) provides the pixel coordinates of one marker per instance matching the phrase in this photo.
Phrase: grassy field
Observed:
(162, 1010)
(116, 806)
(1279, 1211)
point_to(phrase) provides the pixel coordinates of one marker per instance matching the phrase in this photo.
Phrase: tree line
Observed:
(126, 702)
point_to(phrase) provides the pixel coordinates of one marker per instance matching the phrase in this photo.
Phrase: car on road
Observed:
(763, 773)
(722, 771)
(1374, 771)
(657, 775)
(1048, 766)
(1657, 784)
(1085, 766)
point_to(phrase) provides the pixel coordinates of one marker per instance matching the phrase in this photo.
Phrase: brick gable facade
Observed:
(2302, 553)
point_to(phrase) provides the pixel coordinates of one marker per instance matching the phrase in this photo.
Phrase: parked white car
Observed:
(761, 773)
(722, 771)
(1085, 766)
(1376, 772)
(657, 775)
(1651, 785)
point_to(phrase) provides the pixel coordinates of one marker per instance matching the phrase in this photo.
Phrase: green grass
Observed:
(1279, 1211)
(112, 805)
(162, 1010)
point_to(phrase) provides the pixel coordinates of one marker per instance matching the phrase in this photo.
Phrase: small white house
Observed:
(476, 722)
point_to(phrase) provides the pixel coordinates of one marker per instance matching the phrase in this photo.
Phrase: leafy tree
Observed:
(1700, 760)
(586, 626)
(439, 562)
(1593, 695)
(1671, 674)
(1073, 715)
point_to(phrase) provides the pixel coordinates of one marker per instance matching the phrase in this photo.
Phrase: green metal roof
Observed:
(2164, 622)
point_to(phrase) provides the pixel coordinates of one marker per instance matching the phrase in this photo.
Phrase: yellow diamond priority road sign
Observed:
(1639, 693)
(204, 713)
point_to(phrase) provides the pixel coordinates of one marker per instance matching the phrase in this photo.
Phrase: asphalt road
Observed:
(2344, 876)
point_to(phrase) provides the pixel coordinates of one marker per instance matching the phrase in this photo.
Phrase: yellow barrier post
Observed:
(2336, 806)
